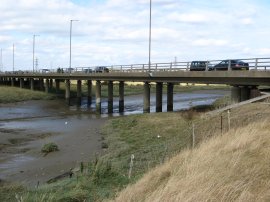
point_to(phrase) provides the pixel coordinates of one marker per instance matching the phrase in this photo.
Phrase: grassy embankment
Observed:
(155, 138)
(13, 94)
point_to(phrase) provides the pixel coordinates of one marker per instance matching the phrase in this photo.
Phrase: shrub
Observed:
(49, 147)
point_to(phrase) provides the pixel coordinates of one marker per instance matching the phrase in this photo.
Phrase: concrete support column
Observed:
(41, 84)
(79, 92)
(67, 93)
(146, 97)
(235, 94)
(89, 92)
(57, 85)
(51, 83)
(32, 84)
(98, 97)
(159, 88)
(21, 82)
(121, 96)
(46, 85)
(245, 91)
(254, 92)
(170, 97)
(110, 97)
(12, 82)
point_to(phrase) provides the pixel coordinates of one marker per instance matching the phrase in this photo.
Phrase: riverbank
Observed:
(151, 139)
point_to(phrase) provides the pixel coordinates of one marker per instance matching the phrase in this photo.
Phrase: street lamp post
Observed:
(150, 27)
(1, 61)
(34, 38)
(70, 36)
(13, 59)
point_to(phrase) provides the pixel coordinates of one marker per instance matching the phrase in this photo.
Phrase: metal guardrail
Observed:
(255, 64)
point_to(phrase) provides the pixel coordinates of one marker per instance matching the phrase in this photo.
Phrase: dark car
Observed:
(199, 65)
(235, 65)
(101, 69)
(88, 71)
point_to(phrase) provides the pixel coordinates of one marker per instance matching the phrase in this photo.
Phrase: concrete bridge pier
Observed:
(21, 82)
(12, 82)
(245, 92)
(110, 97)
(170, 97)
(57, 85)
(67, 93)
(235, 94)
(146, 98)
(32, 84)
(51, 83)
(159, 88)
(47, 85)
(98, 97)
(41, 84)
(79, 92)
(89, 92)
(121, 96)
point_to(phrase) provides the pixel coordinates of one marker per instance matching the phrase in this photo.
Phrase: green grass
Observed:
(49, 147)
(13, 94)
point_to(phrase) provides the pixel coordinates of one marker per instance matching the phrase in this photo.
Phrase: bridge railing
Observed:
(255, 64)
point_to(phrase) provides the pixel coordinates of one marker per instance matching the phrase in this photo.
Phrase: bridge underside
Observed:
(244, 84)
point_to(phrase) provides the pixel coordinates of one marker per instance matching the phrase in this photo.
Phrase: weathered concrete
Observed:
(41, 84)
(32, 84)
(245, 92)
(235, 94)
(21, 82)
(170, 96)
(79, 92)
(98, 97)
(159, 88)
(67, 92)
(51, 83)
(12, 82)
(46, 85)
(110, 97)
(146, 97)
(89, 92)
(57, 85)
(121, 96)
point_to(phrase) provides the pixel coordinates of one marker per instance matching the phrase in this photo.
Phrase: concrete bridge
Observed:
(244, 84)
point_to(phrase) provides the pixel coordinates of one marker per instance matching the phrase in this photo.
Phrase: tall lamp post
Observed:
(34, 41)
(150, 27)
(1, 61)
(13, 59)
(70, 36)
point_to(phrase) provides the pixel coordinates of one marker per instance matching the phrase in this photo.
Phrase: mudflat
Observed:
(25, 127)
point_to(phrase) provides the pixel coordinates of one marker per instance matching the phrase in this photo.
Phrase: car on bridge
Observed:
(199, 65)
(87, 70)
(101, 69)
(235, 65)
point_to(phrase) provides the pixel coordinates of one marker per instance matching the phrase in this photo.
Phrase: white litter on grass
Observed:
(158, 136)
(66, 122)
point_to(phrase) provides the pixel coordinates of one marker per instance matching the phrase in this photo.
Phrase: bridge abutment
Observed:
(146, 97)
(47, 85)
(159, 89)
(245, 91)
(57, 85)
(21, 82)
(32, 84)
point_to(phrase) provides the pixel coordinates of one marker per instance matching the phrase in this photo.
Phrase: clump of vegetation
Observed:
(49, 147)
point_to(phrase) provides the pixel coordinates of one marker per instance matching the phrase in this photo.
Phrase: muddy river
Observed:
(26, 126)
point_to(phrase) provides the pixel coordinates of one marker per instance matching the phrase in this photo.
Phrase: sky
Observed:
(116, 32)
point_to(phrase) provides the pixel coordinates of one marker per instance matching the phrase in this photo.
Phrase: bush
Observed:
(49, 147)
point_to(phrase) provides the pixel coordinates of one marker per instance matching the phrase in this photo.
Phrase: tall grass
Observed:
(232, 167)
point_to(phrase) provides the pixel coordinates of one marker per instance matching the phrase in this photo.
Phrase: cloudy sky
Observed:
(111, 32)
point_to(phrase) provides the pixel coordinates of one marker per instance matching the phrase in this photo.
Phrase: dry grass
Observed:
(232, 167)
